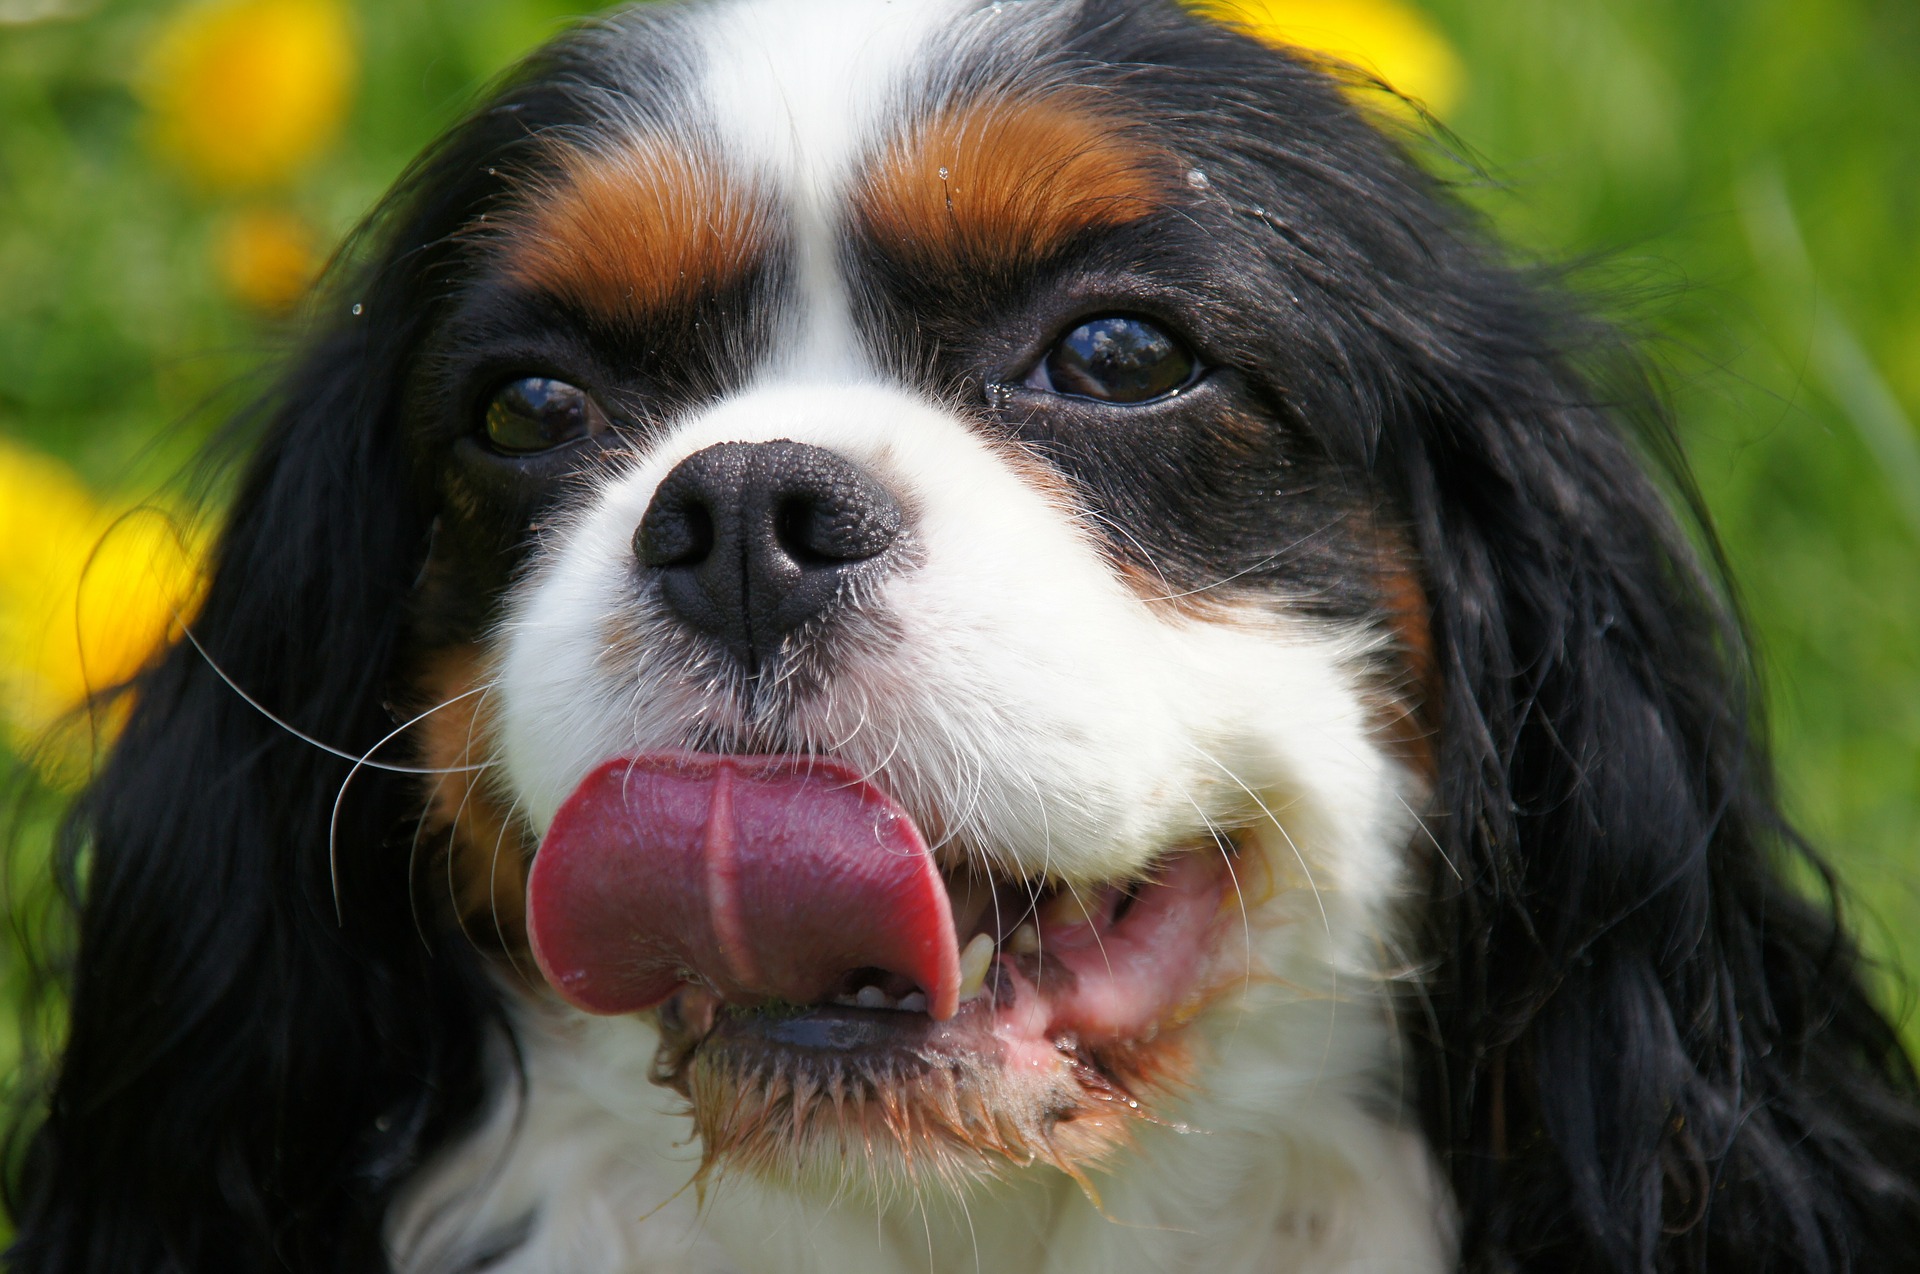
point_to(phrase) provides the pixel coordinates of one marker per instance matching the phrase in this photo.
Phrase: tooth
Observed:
(1024, 940)
(969, 897)
(975, 960)
(872, 997)
(913, 1002)
(1066, 910)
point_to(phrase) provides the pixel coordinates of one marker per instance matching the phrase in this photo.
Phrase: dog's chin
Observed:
(1077, 1034)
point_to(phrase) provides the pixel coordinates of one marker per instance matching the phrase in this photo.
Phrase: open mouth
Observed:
(796, 935)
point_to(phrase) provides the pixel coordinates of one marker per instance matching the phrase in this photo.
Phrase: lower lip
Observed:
(693, 1021)
(831, 1029)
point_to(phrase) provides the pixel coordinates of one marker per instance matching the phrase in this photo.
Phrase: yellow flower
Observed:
(245, 92)
(1386, 38)
(266, 257)
(88, 593)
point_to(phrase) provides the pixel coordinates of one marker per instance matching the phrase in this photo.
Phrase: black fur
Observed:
(1639, 1049)
(247, 1078)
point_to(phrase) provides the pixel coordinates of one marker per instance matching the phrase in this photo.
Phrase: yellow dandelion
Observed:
(88, 594)
(1386, 38)
(266, 258)
(244, 93)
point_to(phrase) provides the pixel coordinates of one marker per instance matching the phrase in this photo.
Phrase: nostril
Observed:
(679, 534)
(794, 532)
(836, 526)
(818, 531)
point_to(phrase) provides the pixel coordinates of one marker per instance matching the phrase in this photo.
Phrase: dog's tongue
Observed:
(762, 877)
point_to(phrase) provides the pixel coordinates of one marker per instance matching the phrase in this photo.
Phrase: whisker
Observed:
(1271, 817)
(1278, 555)
(413, 860)
(493, 888)
(1438, 848)
(360, 762)
(1221, 841)
(966, 1213)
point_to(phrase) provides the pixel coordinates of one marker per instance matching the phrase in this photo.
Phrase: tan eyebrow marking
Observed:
(1006, 181)
(624, 233)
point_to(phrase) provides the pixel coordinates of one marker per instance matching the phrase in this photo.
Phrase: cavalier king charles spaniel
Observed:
(944, 635)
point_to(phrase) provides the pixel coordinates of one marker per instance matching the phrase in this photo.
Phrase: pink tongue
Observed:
(758, 876)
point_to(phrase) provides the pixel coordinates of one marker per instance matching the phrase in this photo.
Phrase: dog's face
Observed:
(947, 672)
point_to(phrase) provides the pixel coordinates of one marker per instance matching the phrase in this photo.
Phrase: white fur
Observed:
(800, 90)
(1037, 711)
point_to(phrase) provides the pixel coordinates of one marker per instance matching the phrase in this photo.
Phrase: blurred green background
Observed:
(1741, 178)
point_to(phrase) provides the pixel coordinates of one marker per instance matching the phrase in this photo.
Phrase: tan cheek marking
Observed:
(1204, 604)
(485, 843)
(1412, 713)
(1008, 182)
(624, 234)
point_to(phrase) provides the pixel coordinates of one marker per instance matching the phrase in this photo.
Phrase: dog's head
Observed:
(945, 636)
(960, 558)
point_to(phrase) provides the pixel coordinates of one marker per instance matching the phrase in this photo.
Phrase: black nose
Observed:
(752, 540)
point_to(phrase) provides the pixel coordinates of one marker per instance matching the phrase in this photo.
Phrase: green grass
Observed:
(1743, 177)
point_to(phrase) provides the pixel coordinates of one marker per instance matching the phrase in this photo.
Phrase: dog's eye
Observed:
(535, 414)
(1116, 359)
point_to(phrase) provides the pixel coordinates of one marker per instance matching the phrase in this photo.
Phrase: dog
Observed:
(954, 636)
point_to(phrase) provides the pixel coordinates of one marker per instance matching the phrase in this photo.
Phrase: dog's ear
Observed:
(237, 1055)
(264, 1036)
(1643, 1048)
(1647, 1050)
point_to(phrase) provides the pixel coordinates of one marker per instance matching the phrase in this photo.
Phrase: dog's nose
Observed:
(752, 540)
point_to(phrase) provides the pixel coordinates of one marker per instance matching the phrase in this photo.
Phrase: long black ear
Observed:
(259, 1052)
(1649, 1052)
(242, 1070)
(1642, 1048)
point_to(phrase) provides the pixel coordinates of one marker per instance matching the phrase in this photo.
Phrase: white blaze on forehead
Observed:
(801, 91)
(800, 87)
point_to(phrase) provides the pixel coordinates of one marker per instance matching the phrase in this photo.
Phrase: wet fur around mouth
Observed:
(879, 1100)
(789, 1091)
